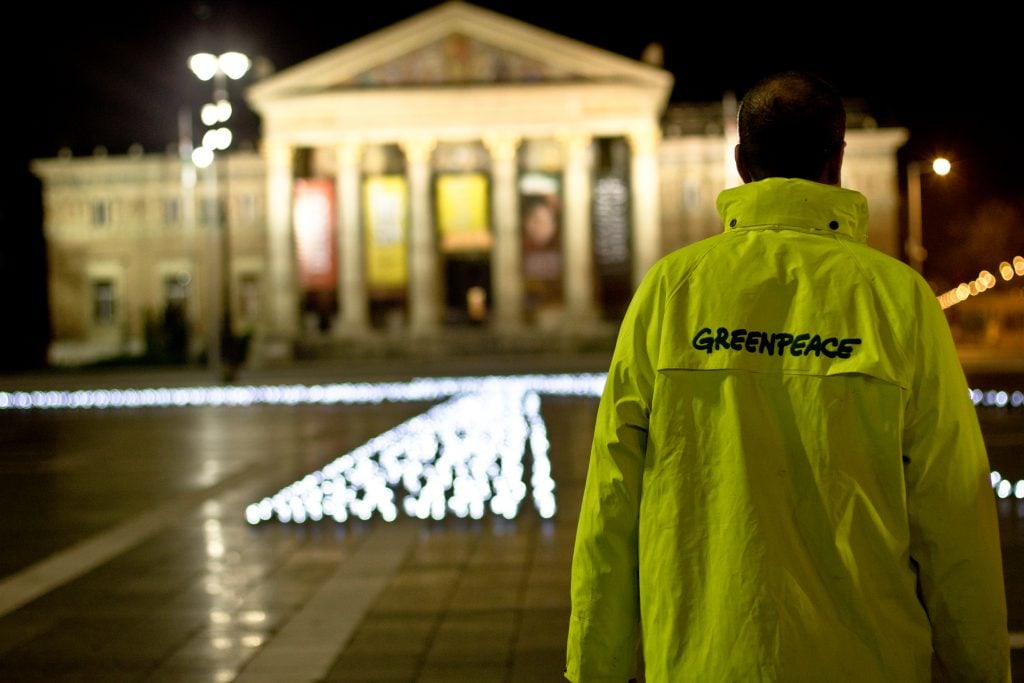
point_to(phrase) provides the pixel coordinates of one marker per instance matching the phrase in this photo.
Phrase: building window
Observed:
(691, 194)
(104, 303)
(211, 211)
(248, 298)
(176, 290)
(247, 209)
(100, 213)
(172, 212)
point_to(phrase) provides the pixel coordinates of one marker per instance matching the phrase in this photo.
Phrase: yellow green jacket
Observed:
(787, 480)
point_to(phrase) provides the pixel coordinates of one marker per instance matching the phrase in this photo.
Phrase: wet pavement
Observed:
(128, 557)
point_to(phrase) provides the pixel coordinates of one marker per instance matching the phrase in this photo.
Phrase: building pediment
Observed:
(455, 44)
(459, 59)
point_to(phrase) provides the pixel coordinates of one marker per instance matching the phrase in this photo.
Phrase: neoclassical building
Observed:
(460, 177)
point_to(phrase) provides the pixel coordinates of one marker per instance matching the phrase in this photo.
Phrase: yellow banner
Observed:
(385, 229)
(463, 215)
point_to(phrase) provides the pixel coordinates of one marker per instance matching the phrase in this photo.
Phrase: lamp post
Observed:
(221, 351)
(916, 253)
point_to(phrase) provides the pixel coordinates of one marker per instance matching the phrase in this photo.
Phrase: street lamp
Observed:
(916, 253)
(222, 353)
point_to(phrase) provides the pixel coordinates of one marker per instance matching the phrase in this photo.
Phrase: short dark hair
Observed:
(790, 125)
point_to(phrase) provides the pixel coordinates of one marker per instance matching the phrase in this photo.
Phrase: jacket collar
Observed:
(795, 203)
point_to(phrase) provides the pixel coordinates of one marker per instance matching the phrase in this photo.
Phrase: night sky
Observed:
(114, 74)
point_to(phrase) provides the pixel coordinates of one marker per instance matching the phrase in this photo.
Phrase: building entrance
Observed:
(467, 288)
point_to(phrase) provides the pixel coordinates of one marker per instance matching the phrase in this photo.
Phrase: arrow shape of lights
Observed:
(464, 457)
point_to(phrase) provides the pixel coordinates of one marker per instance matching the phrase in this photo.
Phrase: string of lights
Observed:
(352, 393)
(984, 282)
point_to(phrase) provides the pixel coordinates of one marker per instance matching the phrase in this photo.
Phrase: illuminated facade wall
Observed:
(122, 247)
(459, 171)
(129, 251)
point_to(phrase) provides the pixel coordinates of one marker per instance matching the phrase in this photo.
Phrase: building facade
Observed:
(457, 178)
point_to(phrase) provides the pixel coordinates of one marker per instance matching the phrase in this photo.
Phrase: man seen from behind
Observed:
(787, 479)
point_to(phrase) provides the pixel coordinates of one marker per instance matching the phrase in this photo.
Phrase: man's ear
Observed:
(740, 166)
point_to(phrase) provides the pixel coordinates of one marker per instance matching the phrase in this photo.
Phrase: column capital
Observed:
(502, 146)
(418, 150)
(349, 152)
(575, 141)
(643, 139)
(278, 152)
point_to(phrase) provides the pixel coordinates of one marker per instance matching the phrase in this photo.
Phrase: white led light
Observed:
(222, 111)
(202, 156)
(234, 64)
(203, 65)
(209, 114)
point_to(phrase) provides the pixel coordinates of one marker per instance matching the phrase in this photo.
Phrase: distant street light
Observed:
(218, 68)
(916, 253)
(222, 351)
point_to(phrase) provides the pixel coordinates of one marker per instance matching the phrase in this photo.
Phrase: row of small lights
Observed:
(463, 457)
(349, 393)
(355, 393)
(1004, 488)
(421, 389)
(984, 282)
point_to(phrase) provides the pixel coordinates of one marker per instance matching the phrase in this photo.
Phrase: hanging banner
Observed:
(463, 212)
(611, 226)
(385, 229)
(540, 200)
(313, 222)
(612, 244)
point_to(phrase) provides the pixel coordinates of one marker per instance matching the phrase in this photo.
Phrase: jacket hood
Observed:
(795, 203)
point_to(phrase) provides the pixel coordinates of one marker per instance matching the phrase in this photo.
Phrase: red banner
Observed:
(313, 225)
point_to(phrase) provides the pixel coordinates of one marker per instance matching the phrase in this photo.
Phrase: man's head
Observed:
(791, 125)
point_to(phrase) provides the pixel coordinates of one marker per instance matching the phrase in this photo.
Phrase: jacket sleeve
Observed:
(604, 625)
(953, 523)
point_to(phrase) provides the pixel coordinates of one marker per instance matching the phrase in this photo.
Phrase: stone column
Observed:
(577, 240)
(352, 297)
(424, 272)
(507, 256)
(281, 282)
(644, 183)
